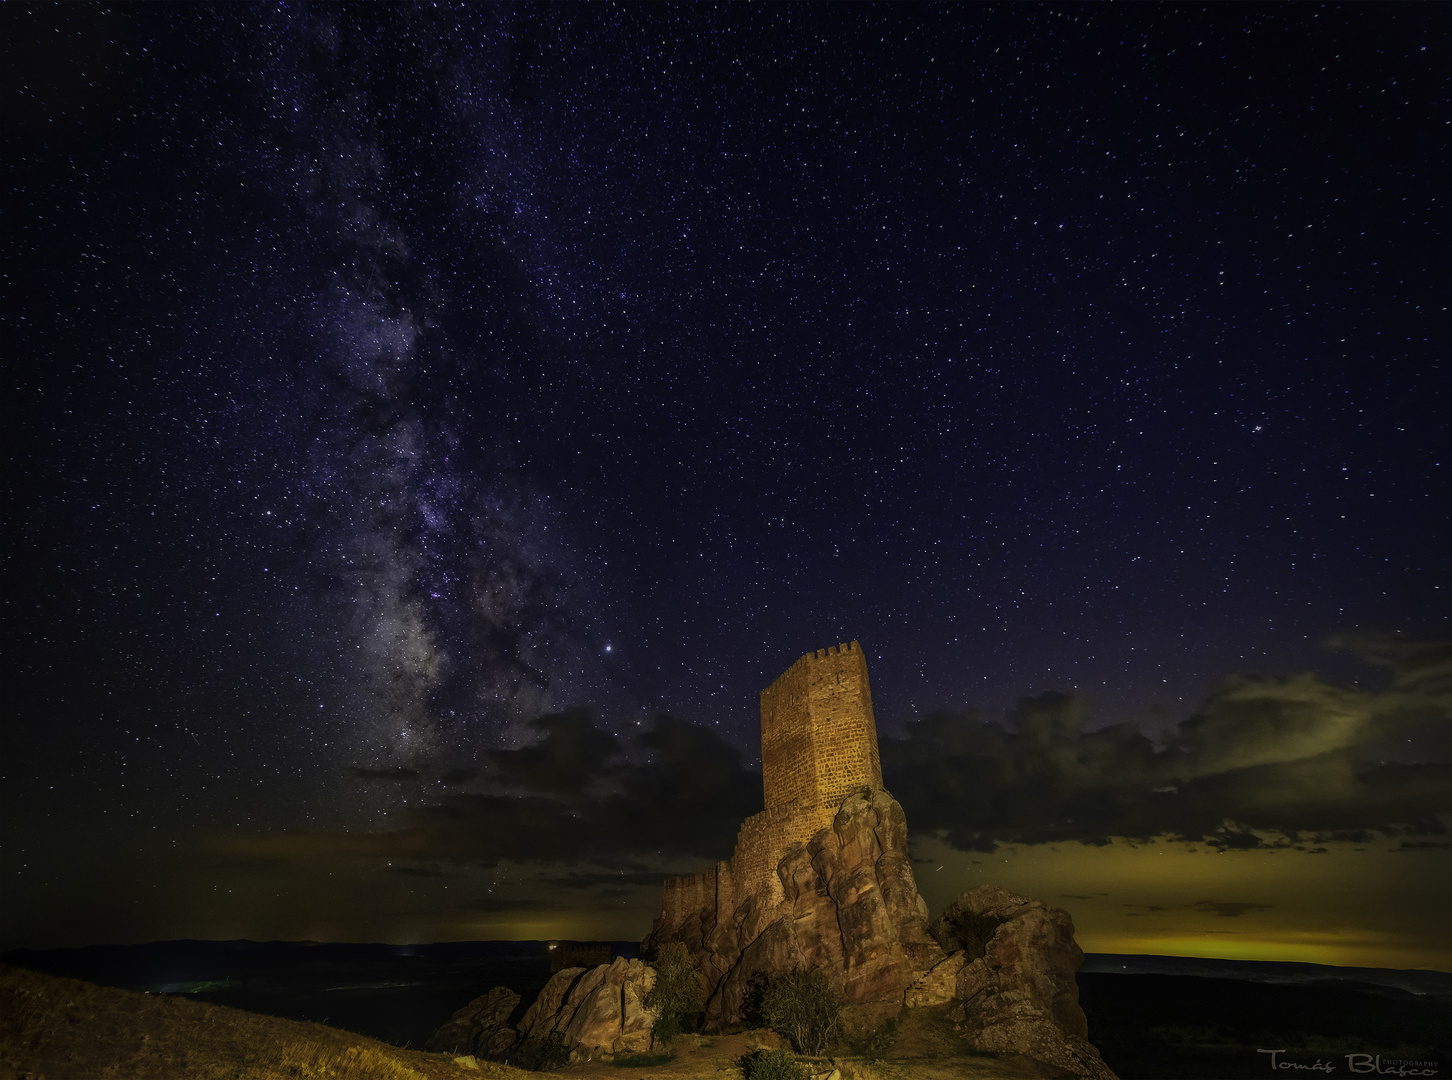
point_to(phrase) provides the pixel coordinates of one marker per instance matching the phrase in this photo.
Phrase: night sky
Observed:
(427, 429)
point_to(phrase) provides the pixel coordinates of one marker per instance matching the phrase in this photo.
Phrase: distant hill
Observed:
(1420, 981)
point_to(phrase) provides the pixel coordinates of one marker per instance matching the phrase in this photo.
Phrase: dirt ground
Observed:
(925, 1048)
(722, 1062)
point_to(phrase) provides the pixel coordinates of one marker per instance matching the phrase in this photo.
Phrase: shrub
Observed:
(677, 995)
(772, 1065)
(969, 931)
(550, 1053)
(803, 1007)
(641, 1061)
(751, 999)
(879, 1042)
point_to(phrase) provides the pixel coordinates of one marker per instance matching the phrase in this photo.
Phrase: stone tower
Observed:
(818, 734)
(818, 745)
(821, 877)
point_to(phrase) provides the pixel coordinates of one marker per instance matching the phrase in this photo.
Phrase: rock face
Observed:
(1014, 987)
(480, 1027)
(849, 908)
(938, 985)
(594, 1010)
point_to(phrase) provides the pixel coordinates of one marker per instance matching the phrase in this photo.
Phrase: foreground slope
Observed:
(65, 1029)
(54, 1028)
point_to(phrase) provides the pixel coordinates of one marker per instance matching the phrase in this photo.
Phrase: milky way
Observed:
(384, 377)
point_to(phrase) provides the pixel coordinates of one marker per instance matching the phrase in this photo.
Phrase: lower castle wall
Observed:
(760, 844)
(763, 840)
(687, 894)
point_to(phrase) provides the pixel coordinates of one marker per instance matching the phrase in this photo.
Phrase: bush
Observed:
(969, 931)
(803, 1007)
(772, 1065)
(550, 1053)
(641, 1061)
(879, 1042)
(677, 995)
(751, 999)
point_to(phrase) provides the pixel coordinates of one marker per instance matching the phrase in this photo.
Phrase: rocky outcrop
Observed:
(594, 1010)
(849, 908)
(1014, 989)
(480, 1027)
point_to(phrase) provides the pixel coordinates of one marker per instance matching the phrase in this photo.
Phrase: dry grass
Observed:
(64, 1029)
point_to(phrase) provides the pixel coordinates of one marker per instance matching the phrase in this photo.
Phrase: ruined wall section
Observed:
(687, 894)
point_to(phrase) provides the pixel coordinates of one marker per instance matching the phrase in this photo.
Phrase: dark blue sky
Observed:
(380, 377)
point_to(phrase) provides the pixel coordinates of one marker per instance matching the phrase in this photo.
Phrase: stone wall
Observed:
(760, 844)
(687, 894)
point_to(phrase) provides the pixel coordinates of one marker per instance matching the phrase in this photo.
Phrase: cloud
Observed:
(1264, 757)
(571, 753)
(1229, 909)
(564, 798)
(1421, 663)
(1266, 762)
(587, 880)
(489, 905)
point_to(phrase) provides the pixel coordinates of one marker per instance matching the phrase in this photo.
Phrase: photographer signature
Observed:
(1364, 1064)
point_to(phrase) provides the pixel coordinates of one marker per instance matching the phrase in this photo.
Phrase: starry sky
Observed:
(428, 428)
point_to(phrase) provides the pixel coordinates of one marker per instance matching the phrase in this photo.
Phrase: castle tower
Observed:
(818, 734)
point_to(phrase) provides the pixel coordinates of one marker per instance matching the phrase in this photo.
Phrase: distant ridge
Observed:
(1419, 981)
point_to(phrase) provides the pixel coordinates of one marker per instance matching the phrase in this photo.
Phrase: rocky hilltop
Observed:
(1003, 963)
(821, 880)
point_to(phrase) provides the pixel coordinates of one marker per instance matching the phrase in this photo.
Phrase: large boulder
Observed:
(1014, 989)
(594, 1010)
(480, 1027)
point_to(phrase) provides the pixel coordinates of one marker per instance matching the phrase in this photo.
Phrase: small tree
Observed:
(677, 995)
(804, 1007)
